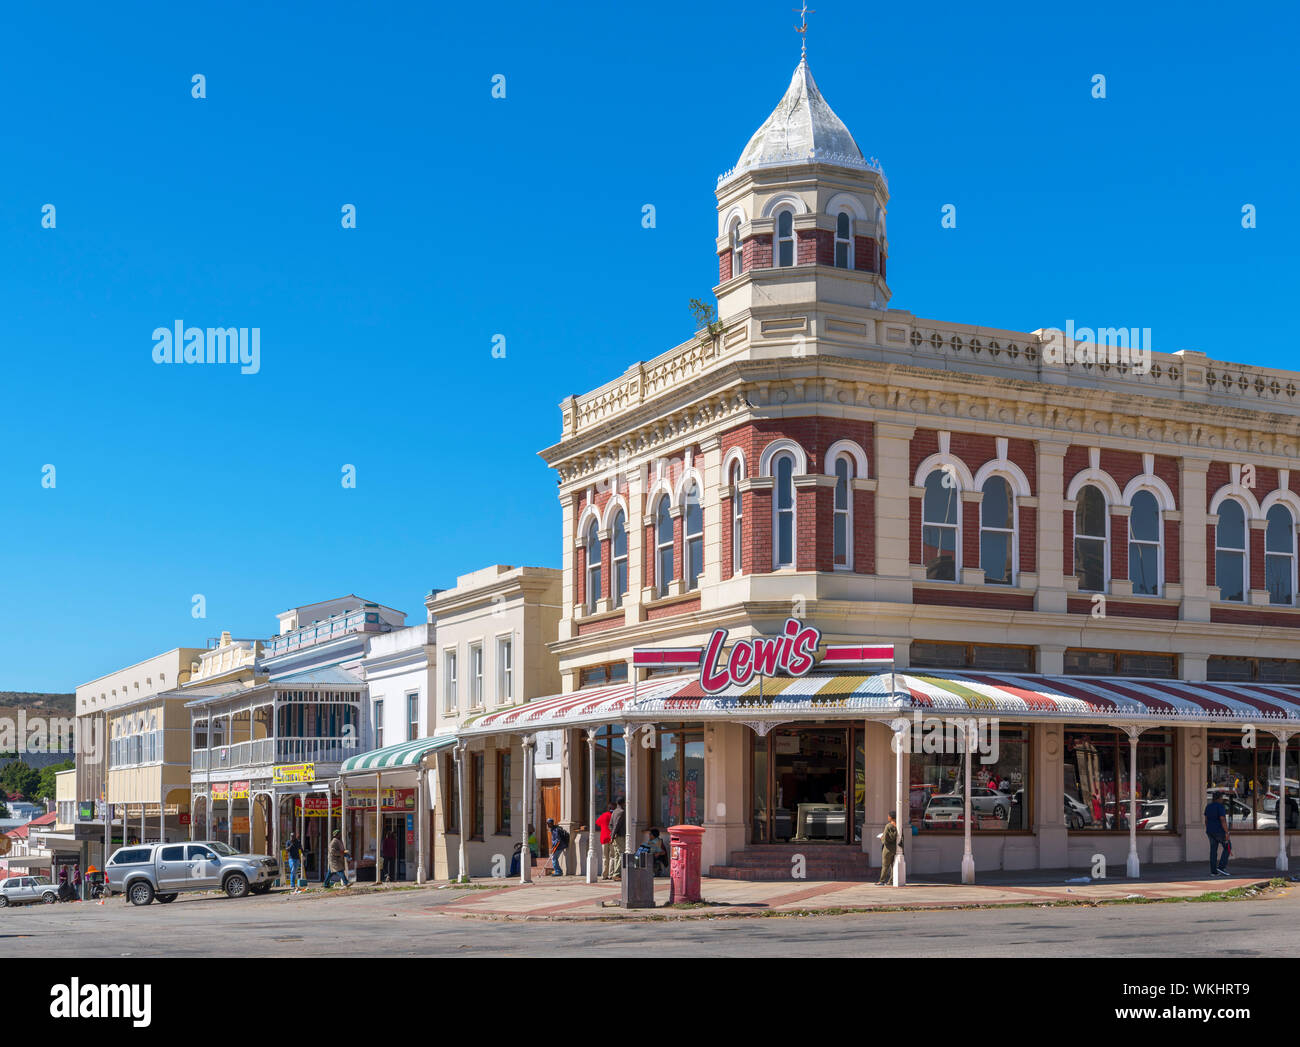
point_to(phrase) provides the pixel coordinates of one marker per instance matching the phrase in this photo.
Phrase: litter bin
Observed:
(638, 881)
(686, 843)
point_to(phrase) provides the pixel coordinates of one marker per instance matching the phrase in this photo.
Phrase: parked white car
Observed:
(162, 871)
(22, 890)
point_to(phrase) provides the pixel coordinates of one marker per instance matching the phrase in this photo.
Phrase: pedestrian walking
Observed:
(390, 857)
(559, 844)
(889, 848)
(602, 827)
(614, 852)
(338, 856)
(293, 858)
(1216, 828)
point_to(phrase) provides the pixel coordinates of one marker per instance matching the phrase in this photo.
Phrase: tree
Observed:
(18, 778)
(46, 789)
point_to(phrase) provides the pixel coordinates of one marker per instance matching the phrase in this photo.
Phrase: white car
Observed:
(1077, 814)
(21, 890)
(990, 801)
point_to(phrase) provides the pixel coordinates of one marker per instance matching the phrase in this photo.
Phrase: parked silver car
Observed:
(164, 870)
(19, 890)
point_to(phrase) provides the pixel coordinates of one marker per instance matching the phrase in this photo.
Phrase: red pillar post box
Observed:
(686, 842)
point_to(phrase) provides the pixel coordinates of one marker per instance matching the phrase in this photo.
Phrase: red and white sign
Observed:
(792, 654)
(843, 654)
(645, 657)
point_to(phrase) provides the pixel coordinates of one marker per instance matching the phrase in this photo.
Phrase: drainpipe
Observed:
(967, 858)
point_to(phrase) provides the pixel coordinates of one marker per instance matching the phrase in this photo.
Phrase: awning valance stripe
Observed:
(943, 692)
(404, 754)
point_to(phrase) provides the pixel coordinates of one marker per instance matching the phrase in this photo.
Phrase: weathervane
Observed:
(802, 29)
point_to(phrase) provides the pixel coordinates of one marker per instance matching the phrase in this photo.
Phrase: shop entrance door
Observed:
(394, 847)
(549, 792)
(807, 785)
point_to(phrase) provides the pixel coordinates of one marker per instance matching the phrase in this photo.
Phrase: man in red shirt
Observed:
(606, 839)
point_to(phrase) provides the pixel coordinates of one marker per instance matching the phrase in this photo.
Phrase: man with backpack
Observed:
(559, 844)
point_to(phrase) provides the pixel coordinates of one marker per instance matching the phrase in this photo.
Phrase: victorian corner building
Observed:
(1099, 562)
(1093, 563)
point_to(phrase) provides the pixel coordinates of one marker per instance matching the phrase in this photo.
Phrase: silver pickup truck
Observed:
(163, 870)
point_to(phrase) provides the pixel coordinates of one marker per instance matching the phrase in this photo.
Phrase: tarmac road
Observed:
(409, 923)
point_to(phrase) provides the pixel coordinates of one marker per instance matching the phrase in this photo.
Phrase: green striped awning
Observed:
(393, 757)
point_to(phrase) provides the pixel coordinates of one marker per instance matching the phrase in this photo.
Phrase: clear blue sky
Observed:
(523, 217)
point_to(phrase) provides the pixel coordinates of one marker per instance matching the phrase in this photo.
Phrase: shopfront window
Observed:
(1251, 778)
(451, 809)
(1097, 780)
(803, 779)
(611, 768)
(678, 787)
(503, 793)
(999, 772)
(476, 780)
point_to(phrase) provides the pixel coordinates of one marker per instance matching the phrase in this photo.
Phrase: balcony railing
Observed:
(266, 751)
(363, 620)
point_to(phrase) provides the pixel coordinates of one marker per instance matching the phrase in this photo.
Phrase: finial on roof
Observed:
(802, 29)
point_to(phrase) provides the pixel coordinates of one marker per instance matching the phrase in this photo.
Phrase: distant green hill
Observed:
(32, 701)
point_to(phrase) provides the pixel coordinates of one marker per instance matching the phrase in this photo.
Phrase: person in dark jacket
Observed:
(889, 847)
(559, 844)
(338, 856)
(293, 853)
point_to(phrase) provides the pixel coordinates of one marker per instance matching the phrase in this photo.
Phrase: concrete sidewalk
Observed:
(570, 898)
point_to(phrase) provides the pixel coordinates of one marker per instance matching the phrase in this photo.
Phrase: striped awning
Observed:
(1058, 697)
(577, 708)
(885, 695)
(394, 757)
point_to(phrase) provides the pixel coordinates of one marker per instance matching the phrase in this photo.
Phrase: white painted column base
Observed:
(1134, 866)
(900, 869)
(967, 868)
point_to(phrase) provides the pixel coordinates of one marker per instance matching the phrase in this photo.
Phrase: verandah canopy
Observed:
(886, 695)
(395, 757)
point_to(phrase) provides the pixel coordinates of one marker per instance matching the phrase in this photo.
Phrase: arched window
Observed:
(737, 509)
(737, 250)
(663, 547)
(997, 532)
(783, 511)
(619, 564)
(939, 526)
(843, 524)
(592, 543)
(785, 238)
(692, 536)
(1144, 544)
(1090, 540)
(844, 241)
(1230, 551)
(1279, 556)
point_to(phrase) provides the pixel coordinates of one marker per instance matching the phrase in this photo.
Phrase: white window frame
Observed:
(778, 512)
(690, 538)
(450, 681)
(737, 250)
(1291, 556)
(377, 707)
(617, 563)
(476, 675)
(1104, 539)
(846, 241)
(778, 240)
(1159, 543)
(955, 526)
(1013, 532)
(737, 519)
(505, 669)
(412, 723)
(845, 511)
(664, 506)
(1243, 552)
(591, 542)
